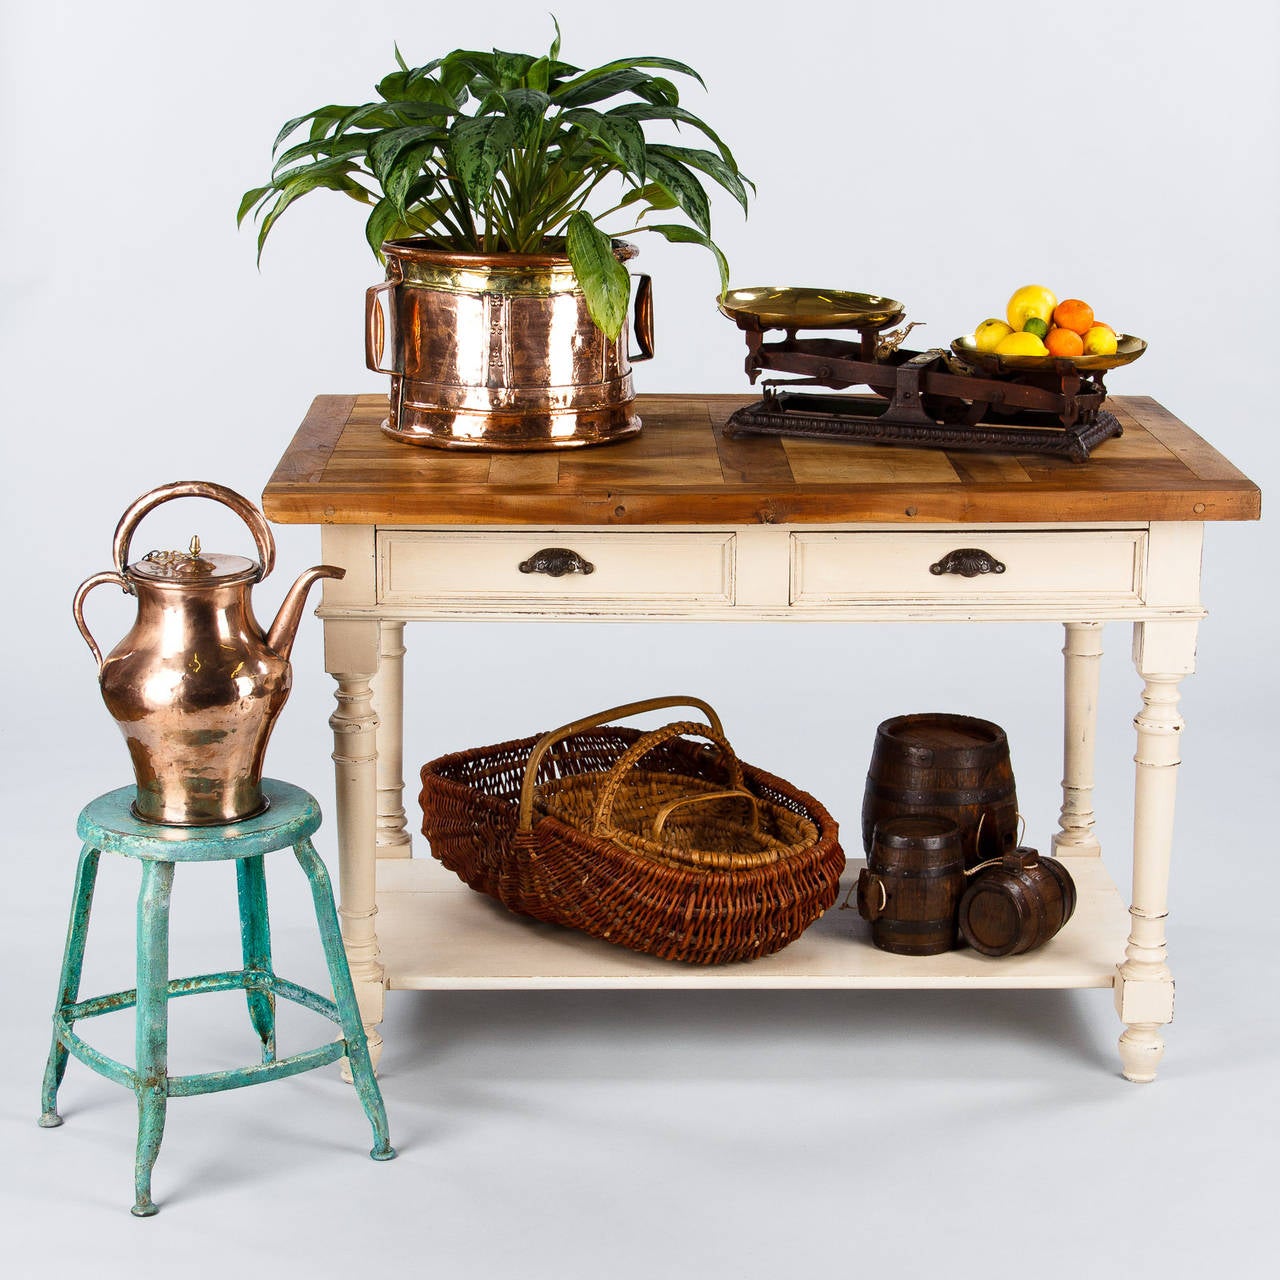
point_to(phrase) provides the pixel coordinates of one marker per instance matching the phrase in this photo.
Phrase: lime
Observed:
(1035, 325)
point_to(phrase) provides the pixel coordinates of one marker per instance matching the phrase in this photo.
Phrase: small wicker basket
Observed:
(648, 840)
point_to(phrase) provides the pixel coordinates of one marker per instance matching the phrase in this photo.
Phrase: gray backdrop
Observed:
(940, 153)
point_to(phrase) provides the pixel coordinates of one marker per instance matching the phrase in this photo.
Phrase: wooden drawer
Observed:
(1105, 565)
(640, 570)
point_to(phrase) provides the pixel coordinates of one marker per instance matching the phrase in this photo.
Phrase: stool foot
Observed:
(69, 981)
(383, 1153)
(145, 1209)
(344, 995)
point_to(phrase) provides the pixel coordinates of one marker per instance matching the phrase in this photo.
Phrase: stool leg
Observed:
(255, 941)
(152, 1031)
(69, 982)
(344, 995)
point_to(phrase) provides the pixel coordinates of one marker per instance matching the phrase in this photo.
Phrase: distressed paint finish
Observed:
(69, 987)
(290, 821)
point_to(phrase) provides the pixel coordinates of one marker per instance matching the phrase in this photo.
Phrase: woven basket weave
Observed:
(650, 841)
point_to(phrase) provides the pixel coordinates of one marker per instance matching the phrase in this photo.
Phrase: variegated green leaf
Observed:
(528, 108)
(710, 164)
(678, 233)
(477, 145)
(387, 149)
(688, 191)
(651, 194)
(641, 111)
(603, 279)
(250, 199)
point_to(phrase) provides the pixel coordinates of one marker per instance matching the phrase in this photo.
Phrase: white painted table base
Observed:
(408, 924)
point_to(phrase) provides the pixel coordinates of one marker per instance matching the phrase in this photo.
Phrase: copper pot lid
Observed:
(193, 568)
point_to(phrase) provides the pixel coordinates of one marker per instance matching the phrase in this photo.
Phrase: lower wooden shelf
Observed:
(435, 933)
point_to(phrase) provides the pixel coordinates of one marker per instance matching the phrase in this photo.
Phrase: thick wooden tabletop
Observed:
(341, 469)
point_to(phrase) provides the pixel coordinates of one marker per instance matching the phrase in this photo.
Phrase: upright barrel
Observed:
(911, 886)
(949, 766)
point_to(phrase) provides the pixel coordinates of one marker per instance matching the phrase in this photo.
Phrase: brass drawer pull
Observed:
(968, 562)
(557, 561)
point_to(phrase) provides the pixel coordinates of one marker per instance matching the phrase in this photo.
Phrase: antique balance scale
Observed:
(960, 398)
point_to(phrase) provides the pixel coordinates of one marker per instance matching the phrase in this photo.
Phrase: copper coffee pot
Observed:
(196, 685)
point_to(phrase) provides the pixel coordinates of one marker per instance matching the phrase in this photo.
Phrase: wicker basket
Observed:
(648, 840)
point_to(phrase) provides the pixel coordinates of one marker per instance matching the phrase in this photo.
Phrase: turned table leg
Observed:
(1163, 653)
(388, 699)
(351, 657)
(1082, 656)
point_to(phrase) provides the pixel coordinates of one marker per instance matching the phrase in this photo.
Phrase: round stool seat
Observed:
(109, 823)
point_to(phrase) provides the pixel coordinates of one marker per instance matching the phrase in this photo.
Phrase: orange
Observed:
(1063, 342)
(1074, 315)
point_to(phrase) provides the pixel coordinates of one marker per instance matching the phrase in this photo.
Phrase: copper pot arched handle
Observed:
(77, 605)
(245, 509)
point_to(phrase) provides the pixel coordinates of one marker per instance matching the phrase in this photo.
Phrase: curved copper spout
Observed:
(285, 627)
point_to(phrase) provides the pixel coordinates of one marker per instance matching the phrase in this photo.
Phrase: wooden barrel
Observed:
(911, 886)
(951, 766)
(1016, 904)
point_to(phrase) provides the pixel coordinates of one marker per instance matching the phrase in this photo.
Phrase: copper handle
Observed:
(548, 740)
(245, 509)
(556, 562)
(643, 319)
(77, 605)
(667, 809)
(375, 327)
(968, 562)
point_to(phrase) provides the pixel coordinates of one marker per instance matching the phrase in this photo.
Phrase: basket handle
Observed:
(602, 819)
(667, 809)
(548, 740)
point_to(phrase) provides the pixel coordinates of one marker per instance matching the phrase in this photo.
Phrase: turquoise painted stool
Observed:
(109, 824)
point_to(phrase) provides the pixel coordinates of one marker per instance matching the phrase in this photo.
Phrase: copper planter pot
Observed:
(498, 351)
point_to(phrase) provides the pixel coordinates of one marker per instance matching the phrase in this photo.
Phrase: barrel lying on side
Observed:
(1016, 904)
(911, 886)
(950, 766)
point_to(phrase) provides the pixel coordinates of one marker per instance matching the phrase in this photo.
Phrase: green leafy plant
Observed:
(516, 172)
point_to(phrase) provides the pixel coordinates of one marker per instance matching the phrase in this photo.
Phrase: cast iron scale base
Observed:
(937, 399)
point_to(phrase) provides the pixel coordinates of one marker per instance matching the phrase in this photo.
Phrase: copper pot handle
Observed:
(548, 740)
(77, 605)
(245, 509)
(376, 327)
(643, 319)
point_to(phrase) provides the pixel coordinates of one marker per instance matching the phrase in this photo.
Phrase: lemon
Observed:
(1032, 300)
(1021, 344)
(988, 334)
(1100, 340)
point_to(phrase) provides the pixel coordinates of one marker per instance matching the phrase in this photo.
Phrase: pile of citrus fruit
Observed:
(1039, 325)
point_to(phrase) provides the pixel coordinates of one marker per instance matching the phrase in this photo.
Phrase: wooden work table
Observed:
(681, 523)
